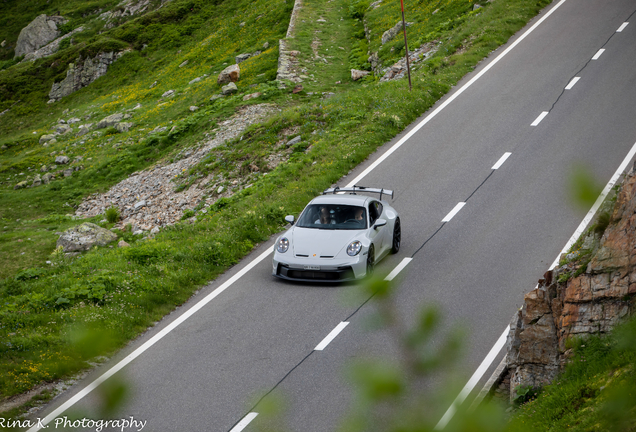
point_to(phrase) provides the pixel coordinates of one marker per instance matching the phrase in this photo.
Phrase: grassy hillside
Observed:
(120, 292)
(596, 392)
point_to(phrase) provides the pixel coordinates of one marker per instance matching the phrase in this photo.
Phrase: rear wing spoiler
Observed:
(354, 189)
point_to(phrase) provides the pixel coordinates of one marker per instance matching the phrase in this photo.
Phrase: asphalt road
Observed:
(259, 333)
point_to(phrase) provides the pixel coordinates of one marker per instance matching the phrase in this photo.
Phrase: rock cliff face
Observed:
(82, 74)
(38, 33)
(576, 299)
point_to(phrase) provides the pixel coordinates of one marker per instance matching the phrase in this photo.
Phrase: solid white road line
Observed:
(453, 212)
(243, 423)
(398, 269)
(538, 119)
(622, 27)
(574, 81)
(598, 54)
(501, 161)
(588, 217)
(156, 338)
(472, 382)
(454, 96)
(331, 336)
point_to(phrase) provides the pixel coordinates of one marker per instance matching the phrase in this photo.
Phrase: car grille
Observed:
(342, 273)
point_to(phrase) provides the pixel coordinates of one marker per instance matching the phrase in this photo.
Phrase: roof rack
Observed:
(354, 189)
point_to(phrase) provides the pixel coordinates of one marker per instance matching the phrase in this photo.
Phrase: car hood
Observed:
(321, 242)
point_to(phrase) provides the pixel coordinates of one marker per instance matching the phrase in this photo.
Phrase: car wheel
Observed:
(397, 236)
(371, 261)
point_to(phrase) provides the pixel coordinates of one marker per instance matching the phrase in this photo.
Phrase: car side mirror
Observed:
(379, 223)
(289, 219)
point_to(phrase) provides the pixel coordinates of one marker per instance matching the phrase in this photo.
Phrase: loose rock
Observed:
(85, 236)
(231, 73)
(358, 74)
(110, 121)
(229, 89)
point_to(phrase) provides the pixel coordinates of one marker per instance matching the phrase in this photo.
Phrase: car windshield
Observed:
(333, 216)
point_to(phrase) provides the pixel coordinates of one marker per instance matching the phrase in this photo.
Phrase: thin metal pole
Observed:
(406, 45)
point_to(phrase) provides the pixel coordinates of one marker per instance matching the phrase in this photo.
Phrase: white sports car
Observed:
(338, 237)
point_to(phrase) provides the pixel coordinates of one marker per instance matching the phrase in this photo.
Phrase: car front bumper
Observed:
(304, 269)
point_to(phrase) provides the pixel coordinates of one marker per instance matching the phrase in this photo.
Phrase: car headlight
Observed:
(354, 248)
(283, 245)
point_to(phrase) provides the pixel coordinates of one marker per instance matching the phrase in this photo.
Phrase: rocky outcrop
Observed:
(38, 33)
(126, 8)
(85, 236)
(82, 74)
(576, 299)
(50, 48)
(388, 35)
(398, 70)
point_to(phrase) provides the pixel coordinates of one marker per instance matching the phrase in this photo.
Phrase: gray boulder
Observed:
(110, 121)
(37, 181)
(63, 129)
(357, 74)
(231, 73)
(229, 89)
(38, 33)
(46, 178)
(61, 160)
(46, 138)
(68, 172)
(84, 129)
(293, 141)
(242, 57)
(21, 185)
(85, 236)
(124, 126)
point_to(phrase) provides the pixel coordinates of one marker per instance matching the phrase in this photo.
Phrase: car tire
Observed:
(397, 237)
(370, 261)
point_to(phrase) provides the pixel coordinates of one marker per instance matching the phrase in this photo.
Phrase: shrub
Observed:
(112, 214)
(187, 214)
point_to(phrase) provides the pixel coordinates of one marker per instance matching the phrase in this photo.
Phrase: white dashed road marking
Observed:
(454, 211)
(501, 161)
(574, 81)
(331, 336)
(598, 54)
(538, 119)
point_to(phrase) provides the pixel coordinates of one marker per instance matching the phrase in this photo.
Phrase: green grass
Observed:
(123, 291)
(596, 392)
